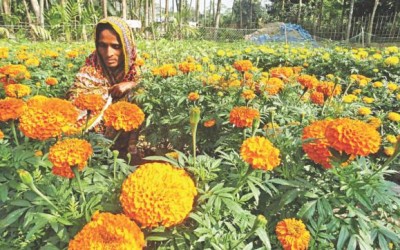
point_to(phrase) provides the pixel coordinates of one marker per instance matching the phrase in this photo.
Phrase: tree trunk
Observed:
(41, 17)
(28, 16)
(197, 11)
(105, 14)
(146, 16)
(371, 22)
(350, 19)
(153, 11)
(36, 10)
(124, 9)
(217, 14)
(299, 12)
(7, 7)
(241, 14)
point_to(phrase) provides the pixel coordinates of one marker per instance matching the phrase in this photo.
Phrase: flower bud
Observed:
(194, 116)
(26, 177)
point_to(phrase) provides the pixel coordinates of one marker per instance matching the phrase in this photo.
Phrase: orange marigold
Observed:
(46, 118)
(329, 88)
(209, 123)
(123, 115)
(242, 65)
(187, 67)
(273, 85)
(243, 116)
(307, 81)
(158, 194)
(165, 71)
(51, 81)
(108, 231)
(1, 135)
(260, 153)
(17, 90)
(69, 153)
(315, 144)
(248, 94)
(11, 109)
(292, 234)
(18, 71)
(90, 102)
(317, 97)
(281, 72)
(139, 62)
(36, 100)
(354, 137)
(193, 96)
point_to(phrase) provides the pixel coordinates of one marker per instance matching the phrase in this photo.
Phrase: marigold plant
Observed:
(353, 137)
(281, 72)
(243, 117)
(165, 71)
(17, 90)
(292, 234)
(242, 65)
(108, 231)
(187, 67)
(193, 96)
(123, 115)
(51, 81)
(315, 145)
(317, 98)
(157, 194)
(11, 109)
(1, 135)
(69, 153)
(90, 102)
(248, 94)
(260, 153)
(307, 81)
(273, 85)
(17, 71)
(329, 89)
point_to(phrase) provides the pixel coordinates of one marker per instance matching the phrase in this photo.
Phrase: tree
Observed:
(350, 19)
(371, 22)
(124, 9)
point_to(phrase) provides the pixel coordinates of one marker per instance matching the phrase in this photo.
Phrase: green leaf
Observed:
(263, 237)
(3, 192)
(20, 203)
(158, 237)
(352, 243)
(289, 196)
(307, 210)
(343, 236)
(12, 217)
(38, 226)
(383, 244)
(232, 205)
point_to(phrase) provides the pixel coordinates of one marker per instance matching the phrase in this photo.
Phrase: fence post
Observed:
(362, 36)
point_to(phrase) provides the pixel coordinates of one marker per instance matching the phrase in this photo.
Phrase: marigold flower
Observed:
(123, 115)
(242, 65)
(392, 61)
(90, 102)
(173, 155)
(51, 81)
(292, 234)
(1, 135)
(3, 53)
(157, 194)
(353, 137)
(193, 96)
(391, 138)
(108, 231)
(209, 123)
(36, 100)
(374, 122)
(329, 88)
(139, 62)
(317, 98)
(368, 100)
(392, 86)
(46, 118)
(187, 67)
(11, 109)
(69, 153)
(17, 90)
(364, 111)
(243, 116)
(393, 116)
(315, 144)
(17, 72)
(165, 71)
(248, 94)
(281, 72)
(349, 98)
(307, 81)
(273, 85)
(32, 62)
(72, 54)
(377, 84)
(260, 153)
(38, 153)
(389, 151)
(145, 55)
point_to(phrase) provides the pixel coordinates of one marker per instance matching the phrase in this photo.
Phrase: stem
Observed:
(78, 178)
(194, 132)
(14, 132)
(34, 189)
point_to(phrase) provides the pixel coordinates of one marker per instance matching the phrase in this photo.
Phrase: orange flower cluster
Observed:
(273, 85)
(243, 65)
(209, 123)
(375, 122)
(187, 67)
(17, 90)
(329, 89)
(315, 144)
(352, 136)
(165, 71)
(72, 54)
(108, 231)
(51, 81)
(90, 102)
(157, 194)
(260, 153)
(11, 109)
(69, 153)
(47, 117)
(193, 96)
(18, 72)
(307, 81)
(243, 117)
(360, 79)
(281, 72)
(248, 94)
(123, 115)
(292, 234)
(317, 98)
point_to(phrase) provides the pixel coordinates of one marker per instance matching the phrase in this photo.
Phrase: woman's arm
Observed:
(120, 89)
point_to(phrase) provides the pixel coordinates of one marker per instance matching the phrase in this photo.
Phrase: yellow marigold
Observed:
(248, 94)
(220, 53)
(393, 116)
(391, 138)
(392, 86)
(398, 96)
(329, 88)
(357, 91)
(353, 137)
(11, 109)
(364, 111)
(139, 62)
(307, 81)
(389, 151)
(173, 155)
(392, 49)
(157, 194)
(90, 102)
(377, 84)
(349, 98)
(1, 135)
(3, 53)
(36, 100)
(72, 54)
(315, 144)
(17, 90)
(51, 81)
(281, 72)
(242, 65)
(45, 119)
(193, 96)
(165, 71)
(123, 115)
(317, 98)
(392, 61)
(243, 116)
(69, 153)
(260, 153)
(273, 85)
(375, 122)
(32, 62)
(209, 123)
(145, 55)
(187, 67)
(108, 231)
(368, 100)
(292, 234)
(38, 153)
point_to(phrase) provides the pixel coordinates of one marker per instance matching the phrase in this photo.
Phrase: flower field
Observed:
(246, 147)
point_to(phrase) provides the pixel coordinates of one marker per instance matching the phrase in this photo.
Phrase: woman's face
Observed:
(109, 48)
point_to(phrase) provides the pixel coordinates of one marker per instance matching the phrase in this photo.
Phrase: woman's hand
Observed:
(120, 89)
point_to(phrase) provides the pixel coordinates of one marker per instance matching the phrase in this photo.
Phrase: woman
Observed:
(110, 72)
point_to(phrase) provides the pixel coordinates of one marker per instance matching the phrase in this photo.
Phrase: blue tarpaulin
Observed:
(287, 32)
